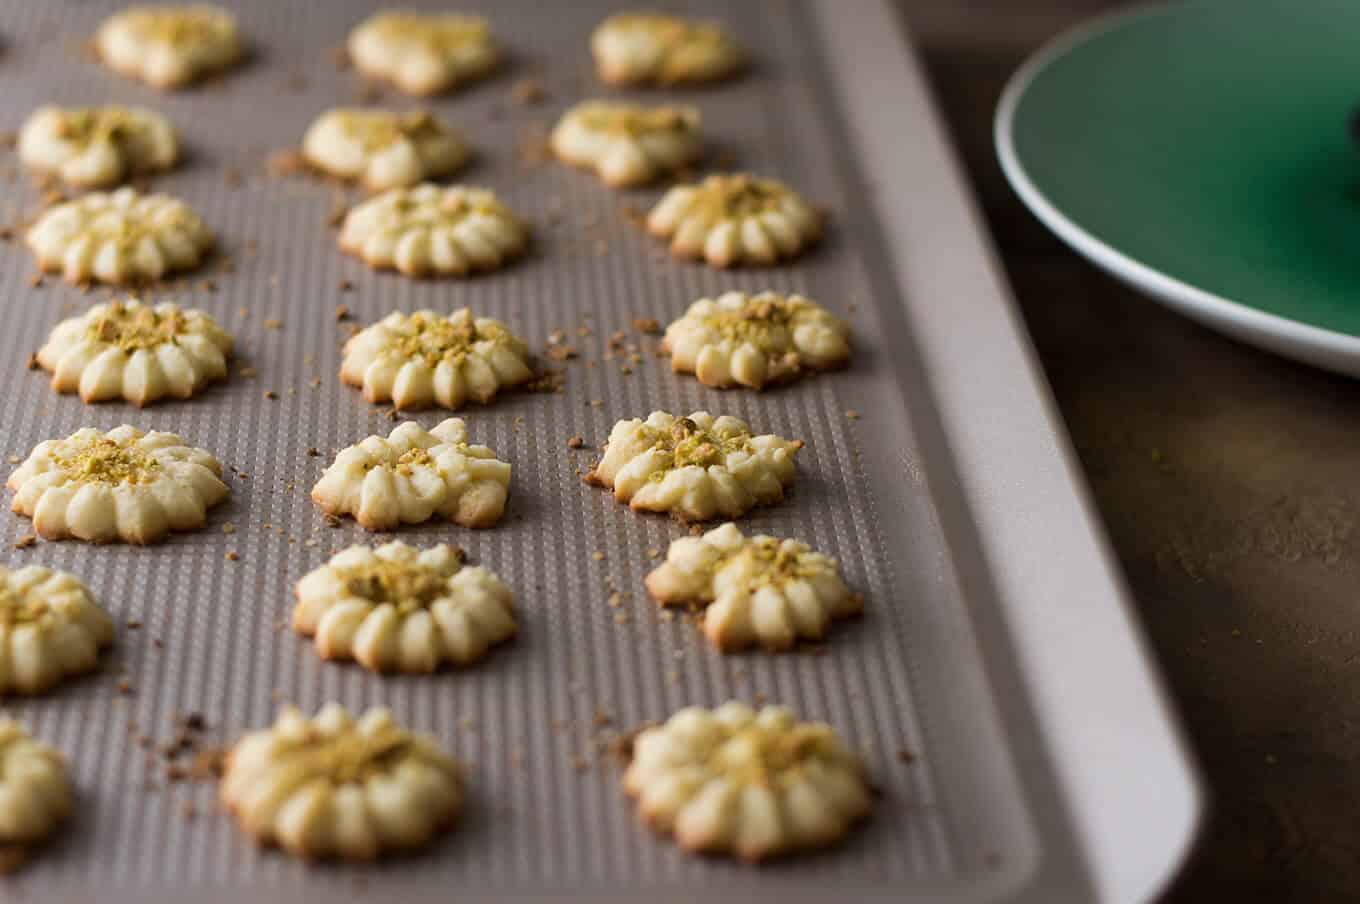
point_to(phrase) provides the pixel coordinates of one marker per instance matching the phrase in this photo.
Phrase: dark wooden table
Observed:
(1229, 481)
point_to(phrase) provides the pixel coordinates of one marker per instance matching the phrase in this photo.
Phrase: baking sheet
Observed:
(907, 684)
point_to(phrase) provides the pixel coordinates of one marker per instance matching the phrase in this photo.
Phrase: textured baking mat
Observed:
(202, 633)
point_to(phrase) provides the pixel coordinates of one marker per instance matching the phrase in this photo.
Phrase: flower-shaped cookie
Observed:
(50, 628)
(122, 485)
(416, 360)
(756, 590)
(169, 46)
(754, 784)
(657, 49)
(431, 230)
(412, 475)
(755, 340)
(35, 792)
(119, 237)
(697, 468)
(397, 608)
(337, 787)
(93, 147)
(135, 351)
(423, 53)
(732, 219)
(627, 144)
(382, 149)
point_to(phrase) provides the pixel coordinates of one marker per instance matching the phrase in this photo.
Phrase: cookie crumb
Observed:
(576, 442)
(342, 312)
(648, 326)
(26, 541)
(232, 556)
(527, 92)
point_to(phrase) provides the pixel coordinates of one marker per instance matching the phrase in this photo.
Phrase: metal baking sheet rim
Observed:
(1127, 784)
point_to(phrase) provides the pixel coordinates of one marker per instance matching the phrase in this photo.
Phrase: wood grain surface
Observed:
(1227, 479)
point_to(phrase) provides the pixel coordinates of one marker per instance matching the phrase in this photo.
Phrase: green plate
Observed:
(1201, 152)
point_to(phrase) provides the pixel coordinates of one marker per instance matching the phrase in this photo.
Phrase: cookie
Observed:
(35, 790)
(123, 485)
(755, 340)
(627, 144)
(50, 629)
(120, 238)
(657, 49)
(755, 591)
(136, 352)
(431, 230)
(381, 149)
(169, 46)
(730, 219)
(412, 475)
(754, 784)
(423, 53)
(422, 359)
(97, 147)
(401, 609)
(337, 787)
(696, 468)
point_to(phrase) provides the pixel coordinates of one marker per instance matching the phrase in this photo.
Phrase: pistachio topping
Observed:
(22, 610)
(780, 562)
(689, 444)
(376, 132)
(140, 328)
(352, 757)
(83, 127)
(436, 339)
(409, 585)
(617, 119)
(414, 458)
(756, 323)
(181, 27)
(106, 461)
(443, 33)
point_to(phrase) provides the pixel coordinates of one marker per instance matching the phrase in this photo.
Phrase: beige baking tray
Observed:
(996, 685)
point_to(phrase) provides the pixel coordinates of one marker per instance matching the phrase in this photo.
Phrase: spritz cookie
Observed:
(35, 790)
(627, 144)
(755, 590)
(730, 219)
(337, 787)
(169, 46)
(401, 609)
(50, 629)
(136, 352)
(412, 475)
(432, 230)
(697, 468)
(657, 49)
(383, 149)
(95, 147)
(122, 485)
(119, 238)
(753, 784)
(423, 53)
(422, 359)
(755, 340)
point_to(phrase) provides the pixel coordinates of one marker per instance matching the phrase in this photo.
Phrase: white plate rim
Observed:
(1314, 345)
